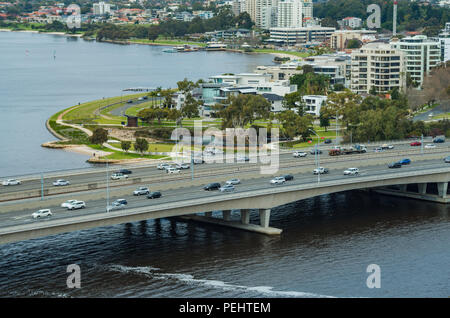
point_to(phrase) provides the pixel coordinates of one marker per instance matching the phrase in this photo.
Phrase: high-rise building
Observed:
(101, 8)
(290, 14)
(377, 66)
(261, 11)
(421, 54)
(444, 39)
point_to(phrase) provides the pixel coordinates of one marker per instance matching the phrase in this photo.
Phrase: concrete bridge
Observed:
(263, 198)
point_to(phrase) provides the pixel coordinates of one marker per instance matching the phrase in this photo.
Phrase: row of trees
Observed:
(172, 28)
(410, 15)
(100, 136)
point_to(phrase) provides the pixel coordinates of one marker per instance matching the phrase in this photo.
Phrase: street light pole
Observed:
(336, 127)
(317, 153)
(107, 186)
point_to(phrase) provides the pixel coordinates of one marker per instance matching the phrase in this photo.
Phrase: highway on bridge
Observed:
(23, 216)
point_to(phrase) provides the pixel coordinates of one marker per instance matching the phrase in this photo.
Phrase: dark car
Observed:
(327, 141)
(288, 177)
(314, 151)
(130, 101)
(125, 171)
(145, 97)
(154, 195)
(447, 159)
(405, 161)
(438, 140)
(395, 165)
(212, 186)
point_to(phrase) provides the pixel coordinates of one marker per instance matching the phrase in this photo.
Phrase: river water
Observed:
(324, 250)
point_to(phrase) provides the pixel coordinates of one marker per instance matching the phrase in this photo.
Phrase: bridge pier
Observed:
(442, 189)
(422, 188)
(264, 217)
(245, 216)
(242, 224)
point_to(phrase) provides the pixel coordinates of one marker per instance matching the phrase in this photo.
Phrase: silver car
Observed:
(233, 181)
(227, 188)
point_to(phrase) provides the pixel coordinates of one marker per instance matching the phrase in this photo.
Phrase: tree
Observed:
(185, 85)
(292, 124)
(324, 120)
(354, 44)
(99, 136)
(141, 145)
(126, 145)
(243, 20)
(153, 32)
(190, 107)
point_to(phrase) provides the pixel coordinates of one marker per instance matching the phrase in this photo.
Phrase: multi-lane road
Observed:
(23, 216)
(99, 177)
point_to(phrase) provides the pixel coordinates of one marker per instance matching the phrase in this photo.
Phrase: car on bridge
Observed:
(141, 191)
(67, 203)
(154, 195)
(172, 170)
(386, 146)
(118, 176)
(76, 205)
(430, 146)
(405, 161)
(438, 140)
(61, 182)
(11, 182)
(328, 141)
(233, 181)
(415, 143)
(41, 213)
(299, 154)
(315, 151)
(211, 186)
(115, 206)
(351, 172)
(393, 165)
(242, 158)
(378, 149)
(227, 188)
(288, 177)
(447, 159)
(163, 166)
(125, 171)
(182, 166)
(278, 180)
(321, 170)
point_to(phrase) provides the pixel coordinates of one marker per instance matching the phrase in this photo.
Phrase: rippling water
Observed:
(324, 250)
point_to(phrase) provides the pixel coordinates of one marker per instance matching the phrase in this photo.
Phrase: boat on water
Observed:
(216, 46)
(171, 50)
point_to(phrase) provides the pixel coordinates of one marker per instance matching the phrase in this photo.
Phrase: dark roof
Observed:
(272, 97)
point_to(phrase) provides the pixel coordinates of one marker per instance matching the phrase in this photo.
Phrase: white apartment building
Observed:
(421, 54)
(259, 12)
(290, 14)
(238, 6)
(313, 103)
(307, 10)
(444, 39)
(350, 22)
(377, 65)
(101, 8)
(300, 35)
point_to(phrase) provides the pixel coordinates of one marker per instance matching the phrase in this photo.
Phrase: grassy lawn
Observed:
(293, 53)
(87, 110)
(119, 155)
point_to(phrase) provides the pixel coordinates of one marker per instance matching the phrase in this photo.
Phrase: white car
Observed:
(116, 206)
(278, 180)
(182, 166)
(76, 205)
(233, 181)
(320, 170)
(430, 146)
(351, 171)
(67, 203)
(11, 182)
(61, 182)
(298, 154)
(163, 166)
(118, 176)
(41, 213)
(141, 191)
(172, 170)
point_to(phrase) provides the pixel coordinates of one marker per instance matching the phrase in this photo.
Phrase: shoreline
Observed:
(129, 42)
